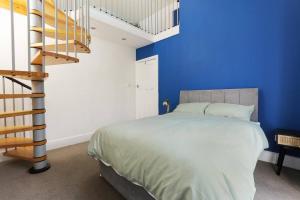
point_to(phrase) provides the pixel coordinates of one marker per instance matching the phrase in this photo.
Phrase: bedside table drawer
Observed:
(288, 140)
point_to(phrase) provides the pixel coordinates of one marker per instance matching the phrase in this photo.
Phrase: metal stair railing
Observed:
(151, 16)
(13, 109)
(12, 106)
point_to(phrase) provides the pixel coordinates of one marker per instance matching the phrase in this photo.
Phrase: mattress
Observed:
(183, 156)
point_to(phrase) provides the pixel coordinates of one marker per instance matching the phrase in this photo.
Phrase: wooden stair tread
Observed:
(19, 142)
(52, 58)
(20, 6)
(20, 113)
(24, 153)
(24, 74)
(14, 142)
(61, 34)
(61, 18)
(50, 11)
(15, 129)
(15, 96)
(61, 47)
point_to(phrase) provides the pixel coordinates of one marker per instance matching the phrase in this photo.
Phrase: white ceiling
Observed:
(116, 34)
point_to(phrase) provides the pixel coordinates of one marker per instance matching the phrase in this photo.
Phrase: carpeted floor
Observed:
(75, 176)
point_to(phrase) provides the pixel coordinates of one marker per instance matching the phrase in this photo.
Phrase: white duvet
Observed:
(181, 156)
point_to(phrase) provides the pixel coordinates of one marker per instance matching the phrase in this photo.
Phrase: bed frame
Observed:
(132, 191)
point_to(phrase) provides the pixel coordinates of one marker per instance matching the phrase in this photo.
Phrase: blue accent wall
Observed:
(236, 44)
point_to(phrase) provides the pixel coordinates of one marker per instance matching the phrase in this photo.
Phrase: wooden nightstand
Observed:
(287, 140)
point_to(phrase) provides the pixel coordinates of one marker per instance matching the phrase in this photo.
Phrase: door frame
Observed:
(156, 58)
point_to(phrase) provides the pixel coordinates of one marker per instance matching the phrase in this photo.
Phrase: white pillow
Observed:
(230, 110)
(198, 108)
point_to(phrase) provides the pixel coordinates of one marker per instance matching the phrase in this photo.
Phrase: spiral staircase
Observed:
(57, 31)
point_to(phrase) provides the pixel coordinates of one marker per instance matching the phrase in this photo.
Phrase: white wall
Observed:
(80, 97)
(97, 91)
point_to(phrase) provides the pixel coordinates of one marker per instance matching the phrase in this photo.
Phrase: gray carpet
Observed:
(75, 176)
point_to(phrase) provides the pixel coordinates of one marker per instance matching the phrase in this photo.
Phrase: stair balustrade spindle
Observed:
(12, 27)
(43, 33)
(28, 37)
(85, 22)
(14, 105)
(82, 22)
(4, 106)
(75, 28)
(56, 26)
(23, 108)
(67, 27)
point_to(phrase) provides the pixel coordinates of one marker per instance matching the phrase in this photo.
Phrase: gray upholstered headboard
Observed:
(235, 96)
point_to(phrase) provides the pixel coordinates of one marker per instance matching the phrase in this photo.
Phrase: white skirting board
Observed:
(67, 141)
(3, 158)
(266, 156)
(289, 161)
(59, 143)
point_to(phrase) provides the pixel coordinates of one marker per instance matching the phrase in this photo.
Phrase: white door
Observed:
(147, 87)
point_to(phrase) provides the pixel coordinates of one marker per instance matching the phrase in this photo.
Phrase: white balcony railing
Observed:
(151, 16)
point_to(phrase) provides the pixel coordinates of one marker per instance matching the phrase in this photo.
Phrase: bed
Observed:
(183, 156)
